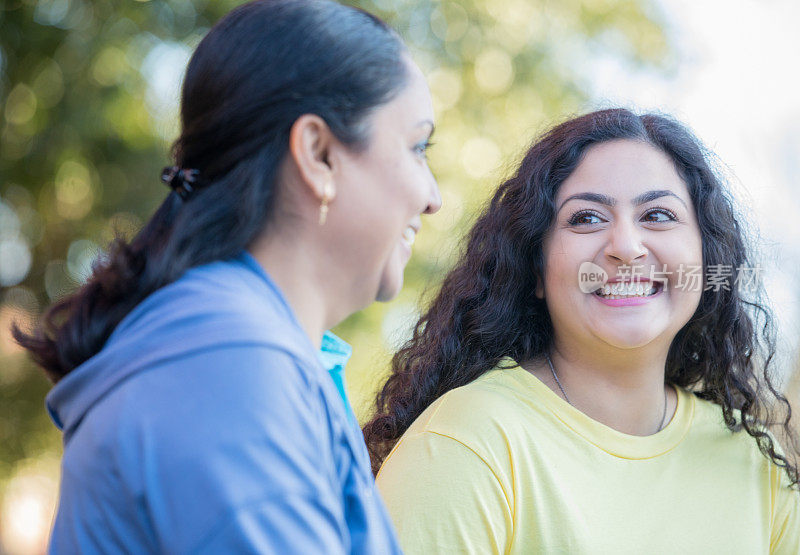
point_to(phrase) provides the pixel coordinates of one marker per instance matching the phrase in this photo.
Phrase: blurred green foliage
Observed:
(88, 109)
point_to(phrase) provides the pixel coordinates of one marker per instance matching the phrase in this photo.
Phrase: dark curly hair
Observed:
(487, 309)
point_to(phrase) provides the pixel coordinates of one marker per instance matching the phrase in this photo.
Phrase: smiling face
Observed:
(626, 210)
(383, 189)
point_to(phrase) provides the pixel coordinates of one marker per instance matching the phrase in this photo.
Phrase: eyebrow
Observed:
(427, 122)
(610, 201)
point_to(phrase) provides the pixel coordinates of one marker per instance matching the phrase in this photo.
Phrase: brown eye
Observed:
(659, 215)
(585, 218)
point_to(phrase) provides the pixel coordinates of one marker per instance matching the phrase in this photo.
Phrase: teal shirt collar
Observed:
(334, 354)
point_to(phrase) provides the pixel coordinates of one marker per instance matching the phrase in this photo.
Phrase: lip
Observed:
(628, 280)
(632, 301)
(406, 246)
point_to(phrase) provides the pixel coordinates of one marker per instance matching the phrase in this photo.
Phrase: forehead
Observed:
(412, 104)
(623, 169)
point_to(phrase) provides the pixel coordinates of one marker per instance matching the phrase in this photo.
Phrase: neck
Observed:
(301, 277)
(623, 389)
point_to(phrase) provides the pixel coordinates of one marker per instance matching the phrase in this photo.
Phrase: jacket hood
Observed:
(203, 309)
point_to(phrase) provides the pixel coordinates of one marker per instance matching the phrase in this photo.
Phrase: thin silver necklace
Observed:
(564, 393)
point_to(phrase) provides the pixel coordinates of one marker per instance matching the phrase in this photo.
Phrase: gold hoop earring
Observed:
(326, 197)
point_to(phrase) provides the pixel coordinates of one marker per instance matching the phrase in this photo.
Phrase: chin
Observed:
(386, 296)
(627, 339)
(391, 282)
(390, 290)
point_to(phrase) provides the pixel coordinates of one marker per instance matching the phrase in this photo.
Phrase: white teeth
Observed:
(409, 235)
(626, 290)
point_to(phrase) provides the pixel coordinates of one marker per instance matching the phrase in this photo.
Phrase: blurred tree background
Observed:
(88, 109)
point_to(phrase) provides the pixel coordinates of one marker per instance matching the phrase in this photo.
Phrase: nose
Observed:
(625, 244)
(434, 198)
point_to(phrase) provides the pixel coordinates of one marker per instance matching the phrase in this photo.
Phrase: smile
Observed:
(627, 290)
(409, 235)
(628, 294)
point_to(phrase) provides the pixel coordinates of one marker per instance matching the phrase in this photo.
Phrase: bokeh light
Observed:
(15, 256)
(479, 156)
(28, 505)
(494, 71)
(20, 105)
(73, 188)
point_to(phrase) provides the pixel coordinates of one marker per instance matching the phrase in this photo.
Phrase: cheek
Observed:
(679, 244)
(555, 252)
(685, 251)
(565, 253)
(560, 278)
(684, 258)
(399, 191)
(413, 185)
(692, 242)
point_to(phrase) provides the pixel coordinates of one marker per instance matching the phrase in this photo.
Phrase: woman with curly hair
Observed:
(572, 388)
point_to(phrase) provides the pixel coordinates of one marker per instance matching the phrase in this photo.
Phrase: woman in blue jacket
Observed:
(192, 369)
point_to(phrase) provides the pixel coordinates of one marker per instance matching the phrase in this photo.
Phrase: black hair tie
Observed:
(182, 181)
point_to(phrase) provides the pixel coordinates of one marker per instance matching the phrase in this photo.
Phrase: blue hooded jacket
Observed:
(208, 424)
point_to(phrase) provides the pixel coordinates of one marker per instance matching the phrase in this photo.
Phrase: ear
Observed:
(310, 140)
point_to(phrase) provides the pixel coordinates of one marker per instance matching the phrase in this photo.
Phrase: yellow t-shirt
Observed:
(504, 465)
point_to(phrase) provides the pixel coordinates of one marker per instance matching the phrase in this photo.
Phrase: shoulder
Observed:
(480, 411)
(710, 438)
(735, 455)
(475, 424)
(217, 435)
(218, 290)
(228, 412)
(708, 425)
(739, 450)
(219, 304)
(221, 394)
(457, 440)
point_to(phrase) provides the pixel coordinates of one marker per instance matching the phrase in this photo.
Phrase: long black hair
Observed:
(487, 309)
(261, 67)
